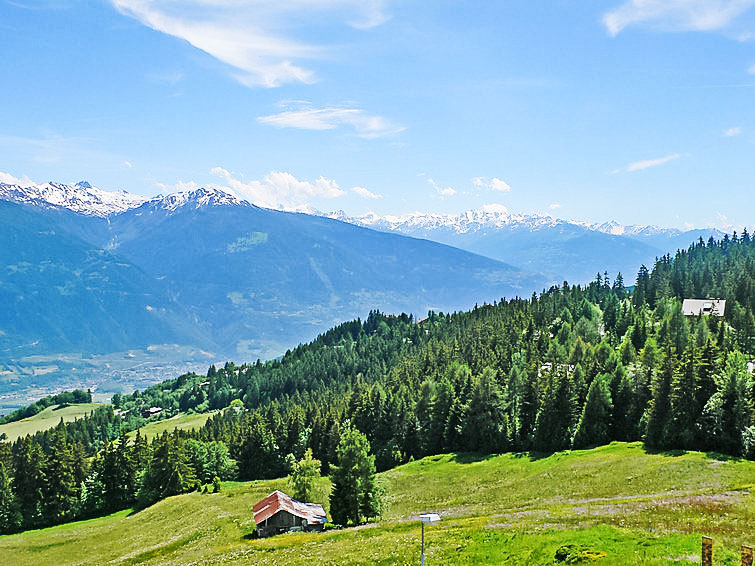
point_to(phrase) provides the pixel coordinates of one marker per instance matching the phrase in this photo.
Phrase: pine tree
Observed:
(594, 424)
(683, 409)
(28, 460)
(485, 420)
(60, 490)
(660, 405)
(354, 492)
(555, 418)
(10, 517)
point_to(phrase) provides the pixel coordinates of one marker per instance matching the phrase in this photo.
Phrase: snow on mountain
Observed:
(81, 197)
(85, 199)
(195, 198)
(492, 217)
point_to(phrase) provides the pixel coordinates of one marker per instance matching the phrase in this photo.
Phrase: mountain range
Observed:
(559, 249)
(131, 289)
(108, 284)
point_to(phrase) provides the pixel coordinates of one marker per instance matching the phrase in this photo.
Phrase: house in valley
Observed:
(280, 513)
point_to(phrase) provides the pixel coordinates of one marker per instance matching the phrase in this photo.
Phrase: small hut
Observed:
(280, 513)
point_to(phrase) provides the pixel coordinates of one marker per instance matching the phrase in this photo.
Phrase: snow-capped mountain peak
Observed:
(85, 199)
(81, 197)
(196, 198)
(492, 216)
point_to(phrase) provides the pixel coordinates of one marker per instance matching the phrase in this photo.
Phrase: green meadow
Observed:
(45, 419)
(181, 421)
(615, 505)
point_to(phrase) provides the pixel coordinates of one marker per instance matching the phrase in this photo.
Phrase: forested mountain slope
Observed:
(573, 367)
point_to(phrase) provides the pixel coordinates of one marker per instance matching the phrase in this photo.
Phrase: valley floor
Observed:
(625, 504)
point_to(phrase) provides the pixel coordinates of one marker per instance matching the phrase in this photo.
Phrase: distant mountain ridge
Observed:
(496, 217)
(560, 249)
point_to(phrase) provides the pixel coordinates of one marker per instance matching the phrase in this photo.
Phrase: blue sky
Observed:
(639, 111)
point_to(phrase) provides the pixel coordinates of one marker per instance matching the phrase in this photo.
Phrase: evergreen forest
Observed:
(572, 367)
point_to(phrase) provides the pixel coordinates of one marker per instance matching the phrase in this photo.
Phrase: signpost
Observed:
(746, 555)
(707, 553)
(430, 519)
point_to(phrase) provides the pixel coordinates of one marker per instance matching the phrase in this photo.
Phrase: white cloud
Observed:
(731, 132)
(676, 15)
(444, 192)
(366, 125)
(256, 38)
(279, 189)
(751, 70)
(495, 208)
(128, 164)
(179, 187)
(647, 163)
(494, 184)
(365, 193)
(554, 206)
(11, 180)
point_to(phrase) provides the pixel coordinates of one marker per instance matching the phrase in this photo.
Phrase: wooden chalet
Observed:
(280, 513)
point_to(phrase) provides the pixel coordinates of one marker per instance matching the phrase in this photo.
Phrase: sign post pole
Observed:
(707, 553)
(746, 555)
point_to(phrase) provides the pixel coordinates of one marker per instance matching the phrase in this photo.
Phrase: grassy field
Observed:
(46, 419)
(623, 505)
(181, 421)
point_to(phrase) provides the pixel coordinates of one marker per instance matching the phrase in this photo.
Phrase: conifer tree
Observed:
(660, 404)
(10, 517)
(60, 489)
(683, 409)
(354, 493)
(594, 424)
(485, 420)
(555, 417)
(28, 461)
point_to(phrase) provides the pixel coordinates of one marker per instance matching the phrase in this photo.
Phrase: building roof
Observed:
(279, 501)
(695, 307)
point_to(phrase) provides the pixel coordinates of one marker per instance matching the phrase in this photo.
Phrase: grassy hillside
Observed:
(46, 419)
(181, 421)
(618, 500)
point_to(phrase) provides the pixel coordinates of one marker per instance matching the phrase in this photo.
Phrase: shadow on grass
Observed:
(672, 453)
(471, 457)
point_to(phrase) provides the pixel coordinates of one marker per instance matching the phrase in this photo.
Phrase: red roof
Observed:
(279, 501)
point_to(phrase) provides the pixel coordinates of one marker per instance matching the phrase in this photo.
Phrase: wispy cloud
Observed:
(304, 117)
(751, 70)
(731, 132)
(53, 148)
(256, 38)
(444, 192)
(128, 164)
(646, 164)
(166, 77)
(11, 180)
(279, 189)
(180, 186)
(365, 193)
(494, 184)
(554, 206)
(676, 15)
